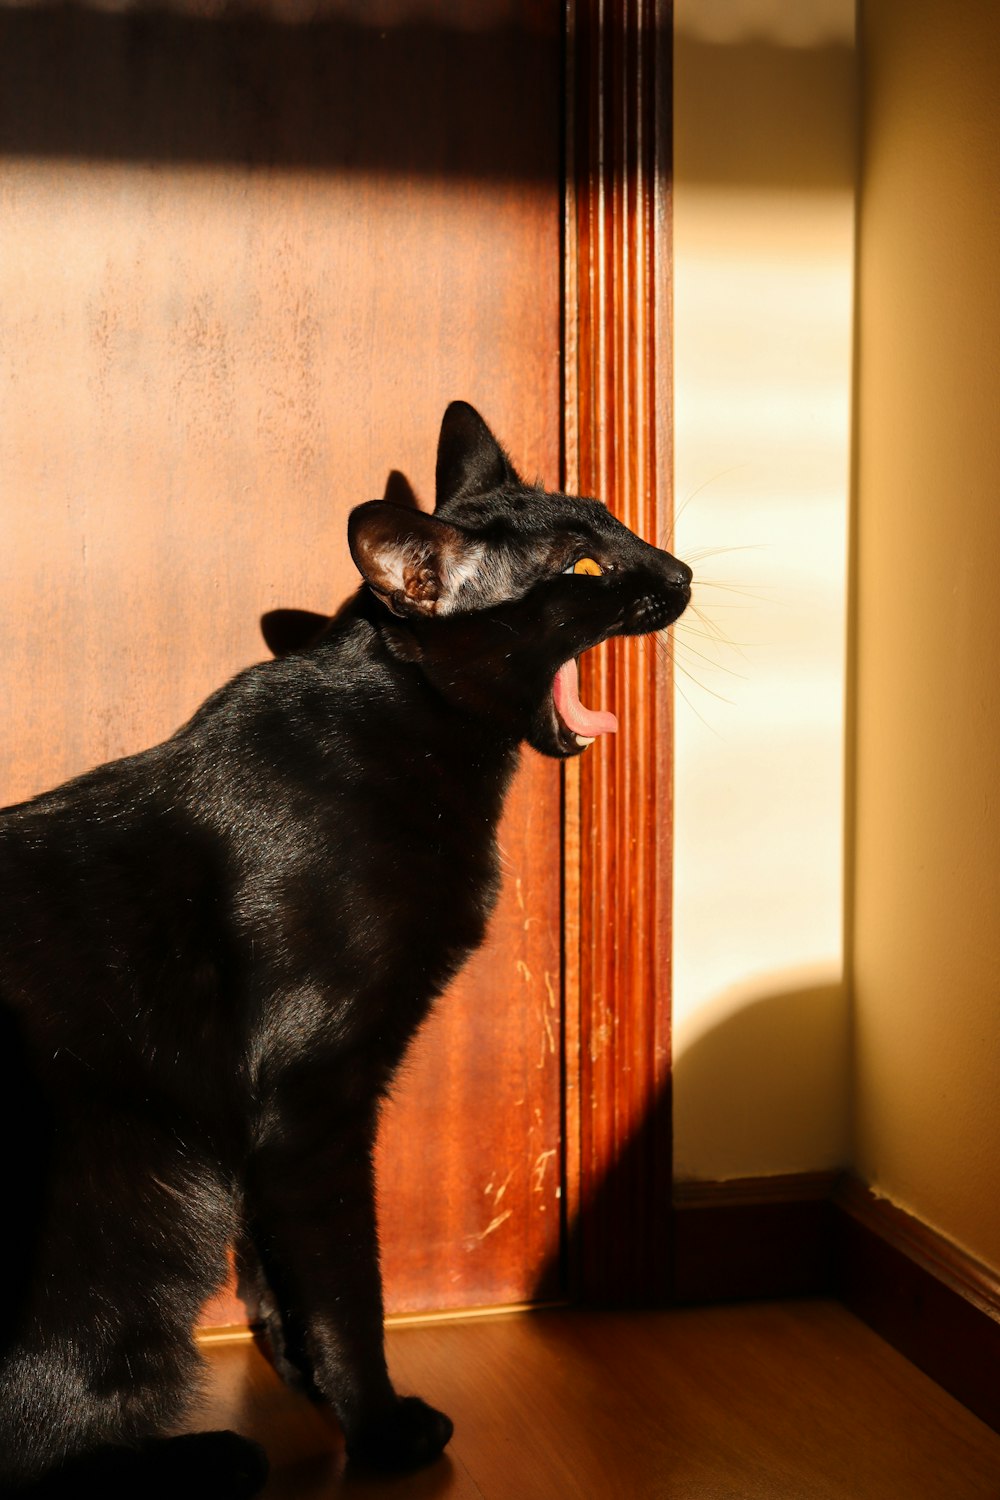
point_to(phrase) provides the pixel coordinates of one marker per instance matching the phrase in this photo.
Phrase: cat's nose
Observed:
(679, 575)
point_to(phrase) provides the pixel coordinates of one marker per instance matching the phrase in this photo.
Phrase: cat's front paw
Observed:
(407, 1436)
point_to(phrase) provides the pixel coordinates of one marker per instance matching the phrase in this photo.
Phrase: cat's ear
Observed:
(414, 562)
(470, 461)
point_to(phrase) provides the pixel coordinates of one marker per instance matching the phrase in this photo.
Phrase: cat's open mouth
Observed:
(583, 725)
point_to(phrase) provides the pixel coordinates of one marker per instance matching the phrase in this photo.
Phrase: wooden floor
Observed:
(786, 1401)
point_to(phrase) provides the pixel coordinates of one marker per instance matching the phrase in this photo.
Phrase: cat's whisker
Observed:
(671, 530)
(701, 635)
(737, 588)
(719, 666)
(712, 729)
(704, 686)
(505, 861)
(667, 646)
(662, 648)
(723, 603)
(712, 629)
(710, 626)
(701, 553)
(717, 646)
(709, 623)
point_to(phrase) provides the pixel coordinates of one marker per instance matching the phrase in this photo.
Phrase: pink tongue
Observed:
(589, 722)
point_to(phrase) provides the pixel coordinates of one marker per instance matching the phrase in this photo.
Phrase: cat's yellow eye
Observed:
(587, 565)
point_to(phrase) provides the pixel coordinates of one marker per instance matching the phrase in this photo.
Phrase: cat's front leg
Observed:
(311, 1204)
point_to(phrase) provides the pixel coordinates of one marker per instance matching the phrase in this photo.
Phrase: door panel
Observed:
(470, 1168)
(235, 294)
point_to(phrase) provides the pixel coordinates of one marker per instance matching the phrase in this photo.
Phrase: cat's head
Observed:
(499, 592)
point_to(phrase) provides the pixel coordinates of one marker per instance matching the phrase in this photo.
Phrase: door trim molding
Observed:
(618, 446)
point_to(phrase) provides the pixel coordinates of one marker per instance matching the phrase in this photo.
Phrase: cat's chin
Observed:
(556, 740)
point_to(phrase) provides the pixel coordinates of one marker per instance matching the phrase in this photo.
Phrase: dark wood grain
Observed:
(220, 333)
(469, 1165)
(619, 448)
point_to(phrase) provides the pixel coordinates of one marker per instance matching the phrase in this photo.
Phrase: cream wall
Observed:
(764, 193)
(774, 1071)
(927, 859)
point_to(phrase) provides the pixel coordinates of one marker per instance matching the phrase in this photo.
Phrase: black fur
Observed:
(213, 955)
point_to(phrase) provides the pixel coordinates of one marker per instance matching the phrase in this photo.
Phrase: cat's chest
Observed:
(377, 891)
(352, 950)
(422, 886)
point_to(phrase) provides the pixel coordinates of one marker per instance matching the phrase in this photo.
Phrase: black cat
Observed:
(214, 954)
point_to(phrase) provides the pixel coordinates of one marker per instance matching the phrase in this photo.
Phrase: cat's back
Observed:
(323, 817)
(100, 883)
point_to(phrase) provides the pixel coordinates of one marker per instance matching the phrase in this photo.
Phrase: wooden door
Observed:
(247, 259)
(246, 264)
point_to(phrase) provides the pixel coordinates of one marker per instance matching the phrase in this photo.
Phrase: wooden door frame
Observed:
(618, 797)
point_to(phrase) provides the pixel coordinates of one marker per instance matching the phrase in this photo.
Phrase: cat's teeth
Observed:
(580, 740)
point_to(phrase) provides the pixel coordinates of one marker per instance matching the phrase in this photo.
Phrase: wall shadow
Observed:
(770, 1073)
(739, 145)
(160, 85)
(762, 1089)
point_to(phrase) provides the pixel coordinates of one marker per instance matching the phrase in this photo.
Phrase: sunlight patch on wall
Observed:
(763, 312)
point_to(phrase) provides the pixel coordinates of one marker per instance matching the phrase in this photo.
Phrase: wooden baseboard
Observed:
(754, 1237)
(827, 1234)
(923, 1295)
